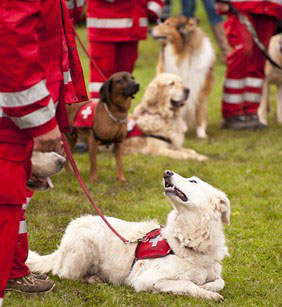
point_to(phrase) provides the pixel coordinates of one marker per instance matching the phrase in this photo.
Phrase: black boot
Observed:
(240, 122)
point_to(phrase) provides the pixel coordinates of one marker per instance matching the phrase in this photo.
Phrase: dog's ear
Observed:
(181, 27)
(224, 208)
(151, 95)
(106, 90)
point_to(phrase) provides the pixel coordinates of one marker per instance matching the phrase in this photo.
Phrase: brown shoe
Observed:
(40, 276)
(30, 284)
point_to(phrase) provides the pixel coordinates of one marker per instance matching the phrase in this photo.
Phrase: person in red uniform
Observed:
(75, 9)
(114, 29)
(39, 73)
(245, 63)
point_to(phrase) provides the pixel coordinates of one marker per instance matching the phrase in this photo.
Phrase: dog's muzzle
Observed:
(131, 89)
(170, 189)
(180, 103)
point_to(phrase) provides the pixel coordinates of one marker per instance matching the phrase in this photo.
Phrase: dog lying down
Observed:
(192, 245)
(44, 165)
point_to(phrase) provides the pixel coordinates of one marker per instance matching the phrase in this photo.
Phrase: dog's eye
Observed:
(193, 181)
(171, 83)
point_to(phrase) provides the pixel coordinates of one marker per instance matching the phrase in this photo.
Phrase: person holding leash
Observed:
(114, 29)
(40, 72)
(245, 63)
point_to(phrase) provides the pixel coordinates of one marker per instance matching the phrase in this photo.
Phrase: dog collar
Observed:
(117, 120)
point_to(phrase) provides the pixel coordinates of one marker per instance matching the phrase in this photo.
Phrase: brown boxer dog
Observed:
(110, 122)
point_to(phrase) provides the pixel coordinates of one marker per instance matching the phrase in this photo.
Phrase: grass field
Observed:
(247, 165)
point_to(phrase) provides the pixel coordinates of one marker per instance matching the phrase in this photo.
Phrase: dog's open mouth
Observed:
(171, 189)
(159, 37)
(177, 103)
(39, 183)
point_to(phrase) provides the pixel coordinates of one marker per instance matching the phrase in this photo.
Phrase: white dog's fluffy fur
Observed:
(90, 251)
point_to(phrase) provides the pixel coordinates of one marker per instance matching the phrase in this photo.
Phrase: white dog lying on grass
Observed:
(192, 245)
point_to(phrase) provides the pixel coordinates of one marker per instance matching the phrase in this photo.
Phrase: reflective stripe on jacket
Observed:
(121, 20)
(31, 66)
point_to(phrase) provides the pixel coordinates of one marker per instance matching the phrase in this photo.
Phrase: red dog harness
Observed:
(85, 116)
(134, 130)
(153, 245)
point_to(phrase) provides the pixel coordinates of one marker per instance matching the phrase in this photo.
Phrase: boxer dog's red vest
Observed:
(85, 116)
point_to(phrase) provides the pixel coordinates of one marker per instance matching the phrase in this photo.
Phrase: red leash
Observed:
(87, 53)
(76, 171)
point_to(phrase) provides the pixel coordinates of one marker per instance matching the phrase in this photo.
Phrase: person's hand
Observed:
(50, 141)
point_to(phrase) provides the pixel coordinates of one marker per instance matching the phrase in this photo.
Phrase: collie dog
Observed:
(188, 52)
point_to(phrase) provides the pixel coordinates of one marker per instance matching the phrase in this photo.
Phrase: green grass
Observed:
(246, 165)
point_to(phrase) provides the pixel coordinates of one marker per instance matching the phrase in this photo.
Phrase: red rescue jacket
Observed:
(120, 20)
(40, 69)
(265, 7)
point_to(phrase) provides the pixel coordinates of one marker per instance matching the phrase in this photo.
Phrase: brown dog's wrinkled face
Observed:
(167, 93)
(118, 88)
(175, 28)
(44, 165)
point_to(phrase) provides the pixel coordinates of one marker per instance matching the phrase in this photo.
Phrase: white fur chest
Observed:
(192, 68)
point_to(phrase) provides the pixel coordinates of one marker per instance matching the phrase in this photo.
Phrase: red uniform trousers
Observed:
(245, 64)
(9, 228)
(15, 169)
(110, 57)
(19, 268)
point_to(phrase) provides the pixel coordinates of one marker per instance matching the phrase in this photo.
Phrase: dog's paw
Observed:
(202, 158)
(121, 178)
(217, 297)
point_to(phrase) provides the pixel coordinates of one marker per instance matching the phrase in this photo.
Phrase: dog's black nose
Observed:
(168, 174)
(186, 92)
(61, 162)
(136, 87)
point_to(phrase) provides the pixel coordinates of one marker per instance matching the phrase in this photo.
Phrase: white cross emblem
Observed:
(85, 113)
(156, 240)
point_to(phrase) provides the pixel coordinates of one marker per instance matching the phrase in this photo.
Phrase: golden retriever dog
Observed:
(188, 52)
(110, 120)
(44, 165)
(183, 257)
(159, 118)
(272, 76)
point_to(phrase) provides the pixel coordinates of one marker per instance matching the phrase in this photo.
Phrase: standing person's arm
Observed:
(24, 97)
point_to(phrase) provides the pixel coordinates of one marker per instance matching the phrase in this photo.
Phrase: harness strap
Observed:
(160, 137)
(105, 142)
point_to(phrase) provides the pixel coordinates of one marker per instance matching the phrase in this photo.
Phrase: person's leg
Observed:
(104, 56)
(20, 277)
(211, 11)
(216, 22)
(127, 53)
(237, 62)
(9, 226)
(265, 27)
(188, 8)
(19, 268)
